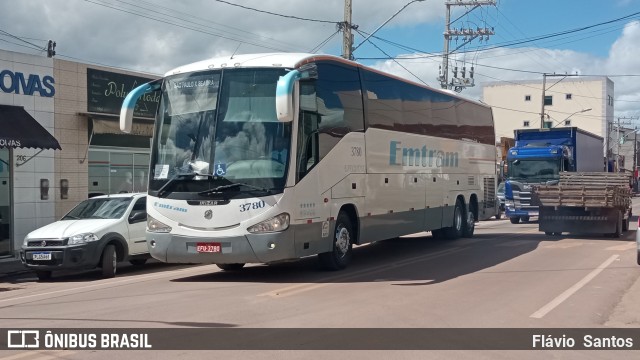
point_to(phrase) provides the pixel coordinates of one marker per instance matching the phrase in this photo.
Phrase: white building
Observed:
(585, 102)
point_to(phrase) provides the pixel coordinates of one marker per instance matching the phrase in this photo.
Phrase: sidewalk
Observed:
(11, 266)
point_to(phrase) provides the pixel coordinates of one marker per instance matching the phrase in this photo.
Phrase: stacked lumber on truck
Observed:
(586, 189)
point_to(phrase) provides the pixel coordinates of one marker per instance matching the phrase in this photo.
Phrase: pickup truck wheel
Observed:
(514, 220)
(230, 267)
(43, 275)
(109, 261)
(525, 219)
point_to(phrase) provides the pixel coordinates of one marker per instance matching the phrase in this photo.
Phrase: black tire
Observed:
(43, 275)
(109, 261)
(469, 224)
(138, 262)
(514, 220)
(638, 258)
(525, 219)
(343, 237)
(625, 223)
(456, 229)
(231, 267)
(499, 215)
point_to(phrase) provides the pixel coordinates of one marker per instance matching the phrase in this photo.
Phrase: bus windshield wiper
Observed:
(220, 189)
(189, 175)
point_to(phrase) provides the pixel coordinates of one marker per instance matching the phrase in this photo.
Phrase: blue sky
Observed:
(155, 36)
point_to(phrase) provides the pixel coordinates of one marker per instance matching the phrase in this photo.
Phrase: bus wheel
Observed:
(230, 267)
(340, 256)
(455, 231)
(470, 225)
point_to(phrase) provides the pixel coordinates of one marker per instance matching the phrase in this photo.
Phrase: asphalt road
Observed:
(507, 276)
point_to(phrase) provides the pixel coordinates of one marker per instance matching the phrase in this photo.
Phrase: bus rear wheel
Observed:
(456, 229)
(230, 267)
(340, 256)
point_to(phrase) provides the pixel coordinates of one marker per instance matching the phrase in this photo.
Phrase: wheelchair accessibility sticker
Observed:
(221, 169)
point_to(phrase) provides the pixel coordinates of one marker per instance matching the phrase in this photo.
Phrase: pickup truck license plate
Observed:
(41, 256)
(208, 247)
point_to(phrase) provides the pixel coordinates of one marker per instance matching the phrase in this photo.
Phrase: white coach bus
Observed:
(267, 157)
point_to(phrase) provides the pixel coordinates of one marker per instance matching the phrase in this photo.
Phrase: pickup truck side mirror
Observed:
(137, 216)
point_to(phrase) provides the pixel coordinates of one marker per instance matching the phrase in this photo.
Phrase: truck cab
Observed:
(538, 157)
(529, 166)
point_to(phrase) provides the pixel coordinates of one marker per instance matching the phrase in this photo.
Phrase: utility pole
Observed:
(468, 34)
(544, 86)
(51, 48)
(347, 37)
(619, 140)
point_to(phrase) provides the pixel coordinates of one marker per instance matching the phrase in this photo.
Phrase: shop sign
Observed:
(106, 91)
(20, 83)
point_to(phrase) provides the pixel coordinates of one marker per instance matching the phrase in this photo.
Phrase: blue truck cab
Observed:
(538, 157)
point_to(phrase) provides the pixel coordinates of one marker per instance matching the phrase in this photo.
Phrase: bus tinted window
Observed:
(330, 108)
(396, 105)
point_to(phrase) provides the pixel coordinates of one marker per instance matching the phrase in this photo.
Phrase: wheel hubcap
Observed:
(458, 219)
(342, 240)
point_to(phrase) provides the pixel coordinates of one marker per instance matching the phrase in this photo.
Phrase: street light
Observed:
(577, 112)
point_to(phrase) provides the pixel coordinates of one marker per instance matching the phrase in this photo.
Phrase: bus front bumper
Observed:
(251, 248)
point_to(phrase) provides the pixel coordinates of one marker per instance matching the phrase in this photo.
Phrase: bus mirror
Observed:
(284, 96)
(129, 103)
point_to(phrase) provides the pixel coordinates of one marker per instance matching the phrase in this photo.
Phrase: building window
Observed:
(527, 98)
(567, 96)
(548, 100)
(567, 123)
(609, 100)
(548, 124)
(525, 123)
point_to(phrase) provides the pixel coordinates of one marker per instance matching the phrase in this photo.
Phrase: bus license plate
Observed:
(208, 247)
(41, 256)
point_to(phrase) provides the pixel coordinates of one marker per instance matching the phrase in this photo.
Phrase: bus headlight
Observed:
(154, 225)
(275, 224)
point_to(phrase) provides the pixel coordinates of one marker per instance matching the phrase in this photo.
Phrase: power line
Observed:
(276, 14)
(24, 41)
(407, 70)
(184, 26)
(385, 23)
(324, 42)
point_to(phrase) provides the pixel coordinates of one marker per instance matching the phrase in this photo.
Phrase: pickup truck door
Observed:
(137, 238)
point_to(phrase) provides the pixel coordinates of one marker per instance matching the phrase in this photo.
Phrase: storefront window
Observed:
(116, 171)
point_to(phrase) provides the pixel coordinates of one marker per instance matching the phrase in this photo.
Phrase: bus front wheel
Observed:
(340, 256)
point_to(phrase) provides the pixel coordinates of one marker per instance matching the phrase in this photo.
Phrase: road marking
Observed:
(50, 354)
(622, 247)
(298, 288)
(563, 245)
(106, 284)
(570, 291)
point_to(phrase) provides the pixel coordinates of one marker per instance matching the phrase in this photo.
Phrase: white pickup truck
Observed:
(98, 232)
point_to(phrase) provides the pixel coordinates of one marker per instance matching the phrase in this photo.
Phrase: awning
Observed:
(18, 129)
(102, 126)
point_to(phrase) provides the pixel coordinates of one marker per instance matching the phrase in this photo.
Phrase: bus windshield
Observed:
(220, 126)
